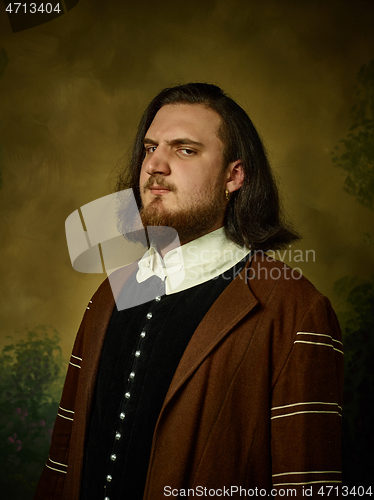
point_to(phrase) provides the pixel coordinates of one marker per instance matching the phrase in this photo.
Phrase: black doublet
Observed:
(142, 349)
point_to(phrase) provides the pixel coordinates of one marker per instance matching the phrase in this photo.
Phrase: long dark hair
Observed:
(253, 216)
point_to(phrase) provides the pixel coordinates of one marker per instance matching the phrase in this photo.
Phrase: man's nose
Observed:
(158, 163)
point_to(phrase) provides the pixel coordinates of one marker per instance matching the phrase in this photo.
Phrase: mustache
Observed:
(158, 180)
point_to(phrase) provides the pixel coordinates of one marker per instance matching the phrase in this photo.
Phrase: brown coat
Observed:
(255, 401)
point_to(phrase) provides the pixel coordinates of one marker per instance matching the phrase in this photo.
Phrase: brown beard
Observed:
(190, 223)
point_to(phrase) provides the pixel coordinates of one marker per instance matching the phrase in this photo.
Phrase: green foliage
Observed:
(364, 107)
(31, 378)
(357, 157)
(356, 311)
(356, 318)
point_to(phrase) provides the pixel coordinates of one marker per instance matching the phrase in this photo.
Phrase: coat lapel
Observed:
(232, 305)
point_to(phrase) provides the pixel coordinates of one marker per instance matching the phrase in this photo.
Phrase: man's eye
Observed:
(187, 152)
(150, 149)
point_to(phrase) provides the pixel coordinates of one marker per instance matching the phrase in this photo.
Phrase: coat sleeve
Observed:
(306, 413)
(53, 477)
(61, 476)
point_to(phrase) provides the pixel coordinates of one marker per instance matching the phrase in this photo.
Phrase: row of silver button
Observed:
(122, 415)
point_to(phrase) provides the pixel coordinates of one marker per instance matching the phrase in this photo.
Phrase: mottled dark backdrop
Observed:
(72, 92)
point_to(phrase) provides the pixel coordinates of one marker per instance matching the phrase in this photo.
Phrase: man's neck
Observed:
(163, 249)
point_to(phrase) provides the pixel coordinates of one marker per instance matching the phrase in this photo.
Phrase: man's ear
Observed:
(235, 177)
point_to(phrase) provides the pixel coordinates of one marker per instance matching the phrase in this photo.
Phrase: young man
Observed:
(230, 379)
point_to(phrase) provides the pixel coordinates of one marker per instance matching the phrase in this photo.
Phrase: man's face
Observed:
(182, 179)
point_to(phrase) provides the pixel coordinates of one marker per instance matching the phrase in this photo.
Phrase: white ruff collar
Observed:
(191, 264)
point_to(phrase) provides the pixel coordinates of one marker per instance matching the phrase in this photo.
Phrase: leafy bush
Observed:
(357, 322)
(355, 153)
(31, 378)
